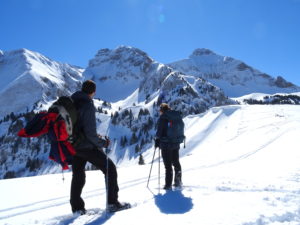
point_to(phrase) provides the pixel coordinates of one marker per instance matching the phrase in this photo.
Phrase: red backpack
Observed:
(58, 123)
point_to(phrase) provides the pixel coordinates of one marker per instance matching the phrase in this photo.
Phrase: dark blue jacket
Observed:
(161, 133)
(87, 122)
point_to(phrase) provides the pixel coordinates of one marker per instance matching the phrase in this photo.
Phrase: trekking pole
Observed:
(151, 166)
(106, 178)
(159, 171)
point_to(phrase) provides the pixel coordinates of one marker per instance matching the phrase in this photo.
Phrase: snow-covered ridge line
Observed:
(29, 78)
(234, 76)
(278, 98)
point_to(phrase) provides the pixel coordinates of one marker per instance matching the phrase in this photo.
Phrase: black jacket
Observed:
(162, 125)
(86, 122)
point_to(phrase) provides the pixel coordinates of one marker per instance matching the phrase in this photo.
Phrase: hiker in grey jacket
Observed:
(90, 149)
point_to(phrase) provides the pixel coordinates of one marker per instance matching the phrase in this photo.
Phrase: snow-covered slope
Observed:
(137, 84)
(29, 79)
(122, 71)
(240, 167)
(267, 99)
(125, 74)
(29, 82)
(235, 77)
(130, 86)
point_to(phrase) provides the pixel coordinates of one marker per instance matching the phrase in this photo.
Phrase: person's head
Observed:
(89, 87)
(164, 107)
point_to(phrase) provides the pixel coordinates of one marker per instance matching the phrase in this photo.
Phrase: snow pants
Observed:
(98, 159)
(170, 155)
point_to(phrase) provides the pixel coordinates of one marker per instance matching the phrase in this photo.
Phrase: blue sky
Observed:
(263, 33)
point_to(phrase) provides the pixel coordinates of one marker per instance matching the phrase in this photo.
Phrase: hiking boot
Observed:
(178, 184)
(177, 179)
(118, 206)
(167, 187)
(79, 212)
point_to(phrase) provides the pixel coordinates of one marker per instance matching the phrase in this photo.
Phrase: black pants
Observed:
(98, 159)
(170, 155)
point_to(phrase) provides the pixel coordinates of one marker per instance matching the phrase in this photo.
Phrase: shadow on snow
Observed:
(173, 202)
(97, 218)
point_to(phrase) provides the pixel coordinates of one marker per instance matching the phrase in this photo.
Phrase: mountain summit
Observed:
(118, 72)
(235, 77)
(29, 78)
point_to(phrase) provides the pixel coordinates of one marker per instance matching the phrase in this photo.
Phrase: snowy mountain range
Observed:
(233, 76)
(130, 85)
(126, 70)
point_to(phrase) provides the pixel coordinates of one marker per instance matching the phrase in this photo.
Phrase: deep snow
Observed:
(240, 166)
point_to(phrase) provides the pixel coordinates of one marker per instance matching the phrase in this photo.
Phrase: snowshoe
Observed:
(118, 207)
(167, 187)
(80, 212)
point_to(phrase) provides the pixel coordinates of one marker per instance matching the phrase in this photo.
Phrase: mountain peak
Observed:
(123, 67)
(23, 54)
(202, 51)
(235, 77)
(122, 53)
(21, 51)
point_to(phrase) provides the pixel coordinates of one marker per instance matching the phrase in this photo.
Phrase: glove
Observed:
(107, 142)
(156, 143)
(104, 141)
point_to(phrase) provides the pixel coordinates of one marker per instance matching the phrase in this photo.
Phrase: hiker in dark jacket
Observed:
(169, 151)
(90, 149)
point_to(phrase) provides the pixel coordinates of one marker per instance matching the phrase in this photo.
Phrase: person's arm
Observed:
(162, 124)
(159, 129)
(90, 129)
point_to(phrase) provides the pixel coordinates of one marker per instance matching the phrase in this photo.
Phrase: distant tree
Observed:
(137, 148)
(100, 110)
(123, 141)
(105, 103)
(143, 142)
(9, 174)
(146, 112)
(141, 160)
(133, 139)
(33, 164)
(115, 118)
(141, 113)
(12, 116)
(130, 118)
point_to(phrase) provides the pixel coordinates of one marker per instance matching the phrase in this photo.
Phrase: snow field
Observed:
(240, 166)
